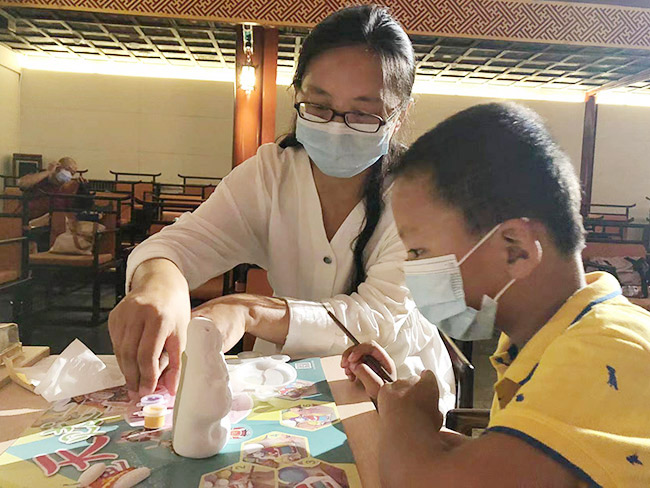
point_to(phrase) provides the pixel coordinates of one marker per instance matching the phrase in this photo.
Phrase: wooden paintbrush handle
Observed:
(379, 370)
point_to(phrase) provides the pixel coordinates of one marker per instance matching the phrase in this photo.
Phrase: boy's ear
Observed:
(523, 249)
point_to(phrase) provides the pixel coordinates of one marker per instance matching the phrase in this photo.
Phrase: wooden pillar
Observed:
(588, 152)
(269, 88)
(254, 119)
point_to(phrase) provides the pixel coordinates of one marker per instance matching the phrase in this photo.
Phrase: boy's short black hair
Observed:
(496, 162)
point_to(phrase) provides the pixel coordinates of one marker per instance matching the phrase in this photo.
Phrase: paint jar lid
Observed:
(154, 399)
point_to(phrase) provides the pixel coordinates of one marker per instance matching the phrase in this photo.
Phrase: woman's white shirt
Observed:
(267, 212)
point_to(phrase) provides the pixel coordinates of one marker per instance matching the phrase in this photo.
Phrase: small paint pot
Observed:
(154, 416)
(154, 399)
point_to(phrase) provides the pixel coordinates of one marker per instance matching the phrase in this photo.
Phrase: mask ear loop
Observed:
(479, 244)
(504, 289)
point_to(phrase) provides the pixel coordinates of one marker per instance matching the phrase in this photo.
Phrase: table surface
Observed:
(20, 408)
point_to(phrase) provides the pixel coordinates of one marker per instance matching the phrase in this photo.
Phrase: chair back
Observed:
(13, 205)
(11, 227)
(14, 246)
(613, 249)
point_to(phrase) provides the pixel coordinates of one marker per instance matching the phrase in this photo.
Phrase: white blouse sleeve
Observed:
(376, 311)
(229, 228)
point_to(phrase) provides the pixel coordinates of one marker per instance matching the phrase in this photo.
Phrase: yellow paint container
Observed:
(154, 416)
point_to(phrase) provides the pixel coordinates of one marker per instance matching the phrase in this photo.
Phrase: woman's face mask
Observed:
(342, 152)
(436, 285)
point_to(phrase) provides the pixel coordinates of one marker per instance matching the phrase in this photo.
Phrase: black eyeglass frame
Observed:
(381, 121)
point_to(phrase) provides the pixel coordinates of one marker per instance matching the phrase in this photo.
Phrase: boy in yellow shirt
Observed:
(489, 210)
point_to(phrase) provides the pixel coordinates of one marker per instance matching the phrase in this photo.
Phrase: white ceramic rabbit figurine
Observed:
(204, 398)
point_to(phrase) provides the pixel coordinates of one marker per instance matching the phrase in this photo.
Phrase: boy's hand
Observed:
(355, 369)
(412, 399)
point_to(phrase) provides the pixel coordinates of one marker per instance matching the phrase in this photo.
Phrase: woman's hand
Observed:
(263, 317)
(356, 369)
(229, 315)
(152, 318)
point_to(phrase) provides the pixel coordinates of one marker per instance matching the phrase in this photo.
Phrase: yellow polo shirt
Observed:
(579, 390)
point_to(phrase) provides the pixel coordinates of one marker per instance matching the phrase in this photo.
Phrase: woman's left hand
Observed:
(264, 317)
(229, 316)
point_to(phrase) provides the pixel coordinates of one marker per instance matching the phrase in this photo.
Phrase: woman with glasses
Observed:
(313, 211)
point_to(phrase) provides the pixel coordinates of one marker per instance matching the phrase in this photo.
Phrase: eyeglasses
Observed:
(359, 121)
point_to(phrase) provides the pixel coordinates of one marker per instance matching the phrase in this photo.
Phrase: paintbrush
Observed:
(369, 361)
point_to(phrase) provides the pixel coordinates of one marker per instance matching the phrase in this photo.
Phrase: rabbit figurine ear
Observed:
(204, 398)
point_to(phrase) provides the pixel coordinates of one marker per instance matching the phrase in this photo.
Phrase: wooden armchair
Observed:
(464, 418)
(80, 269)
(14, 254)
(620, 249)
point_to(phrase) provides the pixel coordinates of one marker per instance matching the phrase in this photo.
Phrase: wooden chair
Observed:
(105, 259)
(203, 189)
(465, 420)
(141, 176)
(619, 249)
(15, 277)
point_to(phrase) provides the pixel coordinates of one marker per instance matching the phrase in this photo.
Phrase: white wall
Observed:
(9, 109)
(564, 119)
(622, 162)
(128, 124)
(151, 125)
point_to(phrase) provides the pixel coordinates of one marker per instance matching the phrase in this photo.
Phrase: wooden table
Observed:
(19, 409)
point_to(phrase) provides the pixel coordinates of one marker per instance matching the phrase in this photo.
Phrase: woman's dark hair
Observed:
(496, 162)
(375, 28)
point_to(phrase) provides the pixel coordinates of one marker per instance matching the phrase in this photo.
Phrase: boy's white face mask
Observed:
(436, 285)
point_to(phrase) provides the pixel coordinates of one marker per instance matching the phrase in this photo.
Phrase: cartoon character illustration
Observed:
(299, 389)
(319, 481)
(239, 476)
(272, 455)
(309, 418)
(238, 433)
(306, 475)
(274, 450)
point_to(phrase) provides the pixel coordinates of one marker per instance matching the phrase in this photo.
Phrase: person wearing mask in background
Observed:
(57, 178)
(488, 207)
(313, 211)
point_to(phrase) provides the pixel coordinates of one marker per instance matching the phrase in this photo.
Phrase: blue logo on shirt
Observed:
(634, 459)
(612, 378)
(519, 398)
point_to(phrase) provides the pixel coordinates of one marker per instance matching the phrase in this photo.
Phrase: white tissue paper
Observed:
(76, 371)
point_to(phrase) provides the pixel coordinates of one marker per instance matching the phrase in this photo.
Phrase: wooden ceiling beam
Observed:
(548, 22)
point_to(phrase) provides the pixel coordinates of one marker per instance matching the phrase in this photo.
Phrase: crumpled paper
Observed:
(76, 371)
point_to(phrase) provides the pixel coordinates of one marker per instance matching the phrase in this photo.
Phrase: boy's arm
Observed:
(414, 451)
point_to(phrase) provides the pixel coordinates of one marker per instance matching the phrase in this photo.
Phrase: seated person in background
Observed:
(489, 187)
(57, 178)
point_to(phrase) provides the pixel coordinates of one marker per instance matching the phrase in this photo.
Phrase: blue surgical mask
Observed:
(436, 285)
(340, 151)
(63, 176)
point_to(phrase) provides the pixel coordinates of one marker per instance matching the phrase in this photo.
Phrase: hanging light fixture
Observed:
(247, 73)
